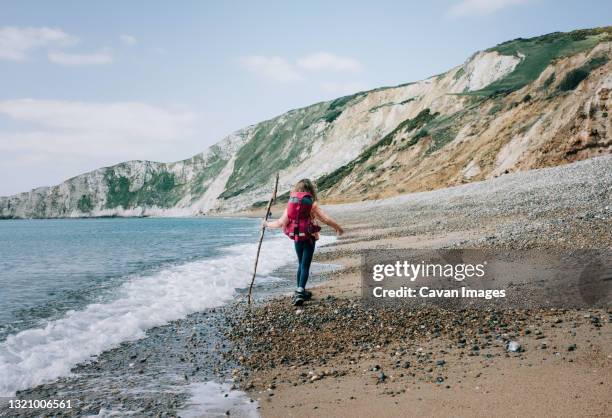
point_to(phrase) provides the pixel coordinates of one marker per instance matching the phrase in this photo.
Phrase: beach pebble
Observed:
(514, 347)
(381, 377)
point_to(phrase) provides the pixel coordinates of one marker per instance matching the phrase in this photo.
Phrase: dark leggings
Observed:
(304, 251)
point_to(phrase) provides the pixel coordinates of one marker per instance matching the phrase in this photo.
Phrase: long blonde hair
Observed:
(306, 185)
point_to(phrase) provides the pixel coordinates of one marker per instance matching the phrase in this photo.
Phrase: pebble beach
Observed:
(336, 356)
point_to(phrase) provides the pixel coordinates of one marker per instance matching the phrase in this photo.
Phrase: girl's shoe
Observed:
(298, 299)
(306, 294)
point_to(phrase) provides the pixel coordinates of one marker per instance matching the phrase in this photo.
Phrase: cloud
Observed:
(47, 141)
(272, 68)
(325, 61)
(282, 70)
(481, 7)
(123, 120)
(128, 40)
(17, 42)
(68, 59)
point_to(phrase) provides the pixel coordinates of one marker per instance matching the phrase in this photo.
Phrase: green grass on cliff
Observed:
(280, 143)
(538, 53)
(159, 190)
(575, 76)
(274, 146)
(205, 174)
(84, 204)
(161, 187)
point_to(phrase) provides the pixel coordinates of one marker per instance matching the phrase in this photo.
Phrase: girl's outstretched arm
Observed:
(279, 223)
(323, 217)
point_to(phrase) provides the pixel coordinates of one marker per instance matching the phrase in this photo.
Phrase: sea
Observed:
(72, 289)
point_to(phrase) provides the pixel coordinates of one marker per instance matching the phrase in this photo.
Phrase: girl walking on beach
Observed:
(299, 222)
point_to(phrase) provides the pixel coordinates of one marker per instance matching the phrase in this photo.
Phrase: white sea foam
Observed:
(209, 399)
(40, 355)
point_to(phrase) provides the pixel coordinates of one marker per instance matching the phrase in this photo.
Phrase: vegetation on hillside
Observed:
(575, 76)
(161, 189)
(280, 143)
(210, 169)
(537, 53)
(85, 204)
(275, 145)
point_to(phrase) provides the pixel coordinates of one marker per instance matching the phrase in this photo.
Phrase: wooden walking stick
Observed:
(261, 236)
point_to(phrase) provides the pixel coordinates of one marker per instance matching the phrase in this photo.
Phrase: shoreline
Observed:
(336, 357)
(167, 370)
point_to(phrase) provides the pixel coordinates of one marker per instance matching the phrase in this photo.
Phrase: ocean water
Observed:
(72, 289)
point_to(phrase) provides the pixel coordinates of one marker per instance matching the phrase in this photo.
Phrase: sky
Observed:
(91, 84)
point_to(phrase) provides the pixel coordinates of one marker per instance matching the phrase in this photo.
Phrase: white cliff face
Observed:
(318, 140)
(484, 68)
(209, 201)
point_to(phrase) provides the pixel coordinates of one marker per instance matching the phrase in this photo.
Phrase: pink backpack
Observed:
(300, 226)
